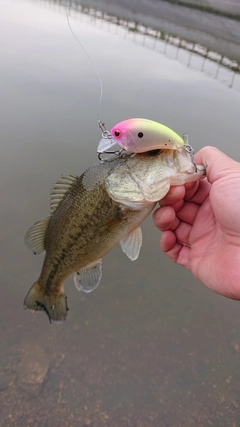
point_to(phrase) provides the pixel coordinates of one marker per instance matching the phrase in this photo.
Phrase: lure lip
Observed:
(105, 143)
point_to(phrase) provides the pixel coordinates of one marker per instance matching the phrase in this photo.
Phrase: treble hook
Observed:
(117, 154)
(189, 150)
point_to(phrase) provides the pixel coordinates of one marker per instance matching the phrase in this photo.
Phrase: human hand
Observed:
(200, 224)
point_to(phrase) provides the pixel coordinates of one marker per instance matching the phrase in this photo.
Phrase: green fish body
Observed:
(90, 214)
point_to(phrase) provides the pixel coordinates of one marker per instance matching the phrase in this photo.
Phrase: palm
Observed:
(201, 225)
(214, 251)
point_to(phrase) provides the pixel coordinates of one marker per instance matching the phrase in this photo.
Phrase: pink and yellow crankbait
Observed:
(140, 135)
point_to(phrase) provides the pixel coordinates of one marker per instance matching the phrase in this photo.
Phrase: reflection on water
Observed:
(192, 54)
(151, 346)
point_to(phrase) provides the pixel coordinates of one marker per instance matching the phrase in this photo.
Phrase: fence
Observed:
(191, 54)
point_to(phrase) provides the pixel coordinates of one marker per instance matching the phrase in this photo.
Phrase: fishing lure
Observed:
(140, 135)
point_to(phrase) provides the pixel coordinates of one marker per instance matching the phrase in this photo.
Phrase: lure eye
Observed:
(117, 133)
(140, 135)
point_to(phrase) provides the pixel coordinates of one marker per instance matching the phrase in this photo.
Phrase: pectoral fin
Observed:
(34, 238)
(88, 278)
(131, 245)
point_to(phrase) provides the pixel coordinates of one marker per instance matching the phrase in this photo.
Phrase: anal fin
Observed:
(88, 278)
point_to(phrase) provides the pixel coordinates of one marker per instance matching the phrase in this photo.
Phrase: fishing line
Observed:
(100, 124)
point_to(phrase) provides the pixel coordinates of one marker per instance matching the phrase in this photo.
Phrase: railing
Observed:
(193, 55)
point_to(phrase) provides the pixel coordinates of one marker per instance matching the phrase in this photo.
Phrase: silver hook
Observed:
(105, 133)
(189, 149)
(117, 154)
(101, 125)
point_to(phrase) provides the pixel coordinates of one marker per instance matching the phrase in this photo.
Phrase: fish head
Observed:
(146, 177)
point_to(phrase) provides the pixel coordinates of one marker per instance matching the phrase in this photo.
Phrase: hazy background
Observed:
(151, 346)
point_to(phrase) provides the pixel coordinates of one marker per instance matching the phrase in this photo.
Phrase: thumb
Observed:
(218, 164)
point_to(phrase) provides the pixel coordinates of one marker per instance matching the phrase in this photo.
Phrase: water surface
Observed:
(151, 346)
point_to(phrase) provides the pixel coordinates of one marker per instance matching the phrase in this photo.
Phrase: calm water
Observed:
(151, 346)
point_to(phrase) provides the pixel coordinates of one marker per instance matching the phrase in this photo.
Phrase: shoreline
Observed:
(215, 32)
(232, 11)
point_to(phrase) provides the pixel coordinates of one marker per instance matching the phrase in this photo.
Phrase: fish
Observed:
(92, 213)
(139, 135)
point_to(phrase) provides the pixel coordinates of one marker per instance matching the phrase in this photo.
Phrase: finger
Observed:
(190, 189)
(174, 195)
(165, 218)
(180, 236)
(201, 194)
(184, 256)
(218, 163)
(182, 233)
(188, 212)
(174, 250)
(168, 242)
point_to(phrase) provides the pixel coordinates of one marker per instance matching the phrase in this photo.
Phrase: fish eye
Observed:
(140, 135)
(117, 133)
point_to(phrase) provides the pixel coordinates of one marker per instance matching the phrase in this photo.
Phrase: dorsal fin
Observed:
(59, 190)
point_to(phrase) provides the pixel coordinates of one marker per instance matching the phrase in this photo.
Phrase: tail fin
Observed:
(55, 306)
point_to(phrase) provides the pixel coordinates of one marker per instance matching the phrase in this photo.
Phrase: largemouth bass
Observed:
(91, 213)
